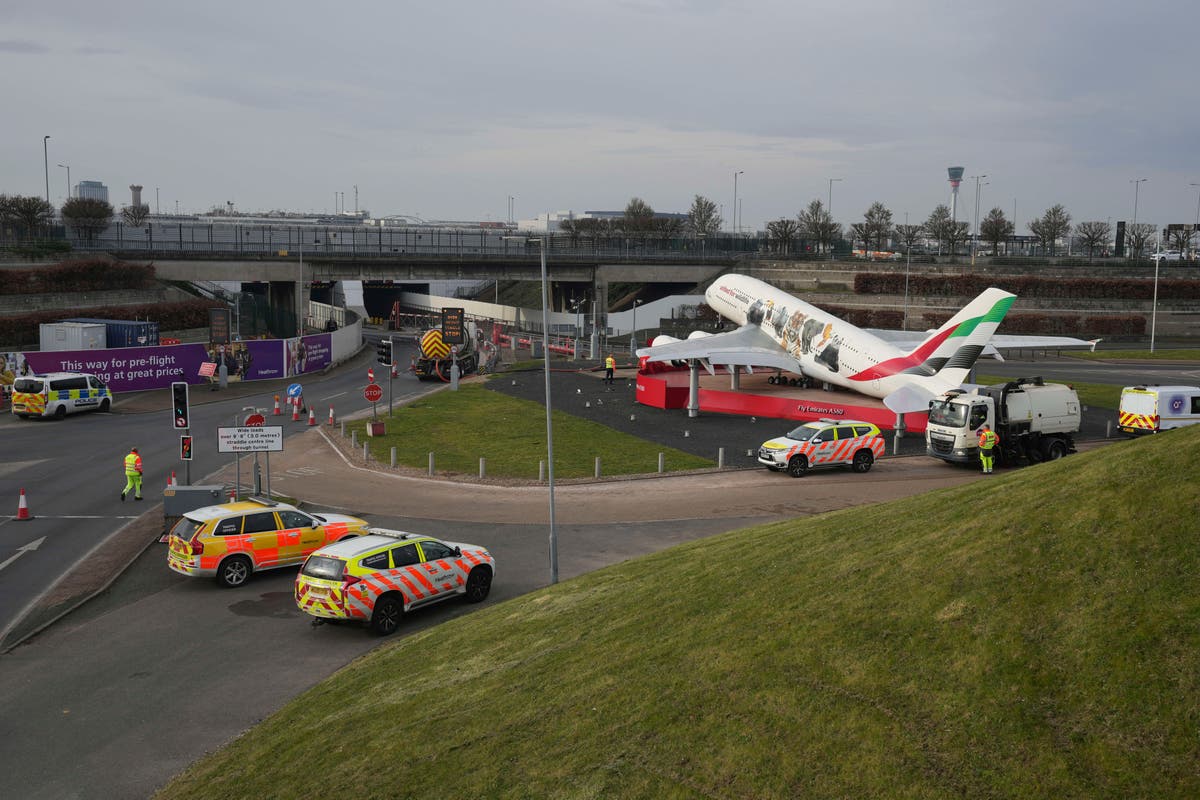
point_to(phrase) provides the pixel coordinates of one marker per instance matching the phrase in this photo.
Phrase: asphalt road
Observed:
(122, 694)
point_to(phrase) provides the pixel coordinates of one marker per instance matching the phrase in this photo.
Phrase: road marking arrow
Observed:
(22, 551)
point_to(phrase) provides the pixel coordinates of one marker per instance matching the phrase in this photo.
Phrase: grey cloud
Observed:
(21, 46)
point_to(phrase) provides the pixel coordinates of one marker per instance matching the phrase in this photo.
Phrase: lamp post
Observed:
(1136, 185)
(156, 200)
(735, 176)
(46, 159)
(975, 236)
(68, 169)
(633, 333)
(1154, 303)
(549, 426)
(829, 200)
(907, 268)
(1196, 229)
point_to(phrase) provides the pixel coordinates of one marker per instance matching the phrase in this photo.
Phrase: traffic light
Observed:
(179, 404)
(384, 352)
(185, 447)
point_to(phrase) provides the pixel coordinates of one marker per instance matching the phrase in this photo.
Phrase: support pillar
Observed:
(735, 377)
(693, 405)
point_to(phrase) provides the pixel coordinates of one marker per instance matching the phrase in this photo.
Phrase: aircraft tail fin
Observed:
(950, 351)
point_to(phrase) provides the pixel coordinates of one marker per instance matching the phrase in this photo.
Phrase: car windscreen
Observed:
(952, 415)
(323, 567)
(804, 432)
(186, 528)
(27, 386)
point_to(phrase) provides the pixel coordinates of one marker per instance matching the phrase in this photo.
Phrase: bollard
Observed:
(896, 444)
(1108, 429)
(661, 462)
(393, 457)
(431, 464)
(720, 458)
(354, 438)
(597, 466)
(541, 471)
(482, 468)
(343, 429)
(366, 453)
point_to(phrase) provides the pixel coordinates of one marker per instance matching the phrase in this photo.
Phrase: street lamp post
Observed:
(46, 159)
(975, 237)
(907, 269)
(1154, 304)
(1136, 185)
(829, 199)
(633, 333)
(735, 176)
(68, 169)
(156, 200)
(1196, 229)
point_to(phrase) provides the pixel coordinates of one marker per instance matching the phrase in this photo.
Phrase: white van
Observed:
(1151, 409)
(58, 394)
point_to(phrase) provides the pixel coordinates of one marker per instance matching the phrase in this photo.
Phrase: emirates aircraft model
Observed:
(783, 332)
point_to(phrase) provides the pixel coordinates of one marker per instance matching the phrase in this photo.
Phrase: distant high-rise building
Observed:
(93, 190)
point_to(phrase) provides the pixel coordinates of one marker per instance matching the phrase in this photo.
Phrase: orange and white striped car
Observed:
(379, 577)
(232, 540)
(827, 443)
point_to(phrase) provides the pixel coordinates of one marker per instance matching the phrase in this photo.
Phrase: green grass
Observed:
(1138, 355)
(461, 427)
(1092, 395)
(1033, 635)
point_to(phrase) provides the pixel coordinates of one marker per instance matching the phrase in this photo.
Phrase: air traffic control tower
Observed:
(955, 179)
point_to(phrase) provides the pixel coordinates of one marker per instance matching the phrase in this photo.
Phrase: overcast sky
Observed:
(445, 109)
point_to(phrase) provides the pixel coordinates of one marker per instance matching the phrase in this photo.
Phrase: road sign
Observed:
(295, 390)
(255, 421)
(250, 440)
(373, 392)
(452, 325)
(370, 374)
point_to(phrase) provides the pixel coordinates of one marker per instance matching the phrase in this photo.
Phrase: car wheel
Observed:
(234, 571)
(60, 412)
(863, 460)
(1054, 450)
(389, 611)
(479, 583)
(797, 466)
(104, 405)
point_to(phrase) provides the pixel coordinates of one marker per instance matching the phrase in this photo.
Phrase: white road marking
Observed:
(22, 551)
(331, 396)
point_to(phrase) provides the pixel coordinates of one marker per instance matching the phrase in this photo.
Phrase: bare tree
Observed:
(879, 225)
(639, 217)
(1052, 226)
(1180, 237)
(817, 224)
(703, 217)
(1138, 235)
(995, 228)
(861, 232)
(945, 231)
(782, 233)
(135, 216)
(28, 211)
(87, 216)
(1093, 234)
(909, 235)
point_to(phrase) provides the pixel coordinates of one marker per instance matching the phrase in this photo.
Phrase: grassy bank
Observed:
(462, 427)
(1034, 635)
(1136, 355)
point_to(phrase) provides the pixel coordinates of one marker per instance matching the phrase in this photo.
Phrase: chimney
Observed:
(137, 195)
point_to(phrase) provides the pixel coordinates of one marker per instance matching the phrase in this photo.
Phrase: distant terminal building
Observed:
(552, 220)
(91, 190)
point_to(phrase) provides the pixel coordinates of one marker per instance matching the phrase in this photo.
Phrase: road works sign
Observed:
(250, 439)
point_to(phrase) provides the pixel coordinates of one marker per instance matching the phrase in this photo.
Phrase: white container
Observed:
(57, 336)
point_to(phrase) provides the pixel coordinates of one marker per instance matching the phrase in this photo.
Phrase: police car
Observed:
(379, 577)
(232, 540)
(826, 443)
(58, 394)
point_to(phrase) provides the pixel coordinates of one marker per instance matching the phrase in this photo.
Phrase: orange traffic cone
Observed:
(276, 412)
(296, 410)
(312, 417)
(23, 508)
(331, 416)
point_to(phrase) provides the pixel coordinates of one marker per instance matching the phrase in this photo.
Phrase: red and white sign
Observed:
(208, 369)
(255, 421)
(166, 340)
(371, 374)
(373, 392)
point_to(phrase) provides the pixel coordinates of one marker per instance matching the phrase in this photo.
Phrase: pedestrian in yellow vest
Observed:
(610, 364)
(133, 475)
(988, 439)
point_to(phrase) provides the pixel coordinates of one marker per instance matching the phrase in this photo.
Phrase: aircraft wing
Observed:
(747, 346)
(997, 342)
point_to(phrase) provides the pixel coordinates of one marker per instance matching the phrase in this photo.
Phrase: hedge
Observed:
(1081, 325)
(87, 275)
(1026, 286)
(23, 330)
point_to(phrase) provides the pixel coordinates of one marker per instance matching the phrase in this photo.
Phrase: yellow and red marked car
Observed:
(826, 443)
(379, 577)
(233, 540)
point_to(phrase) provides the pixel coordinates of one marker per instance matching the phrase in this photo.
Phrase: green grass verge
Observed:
(1138, 355)
(1032, 635)
(1092, 395)
(474, 422)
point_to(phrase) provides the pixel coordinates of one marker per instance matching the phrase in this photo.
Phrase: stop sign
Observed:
(255, 421)
(373, 392)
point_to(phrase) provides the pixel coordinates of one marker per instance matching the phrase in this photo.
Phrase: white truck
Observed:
(1035, 420)
(1151, 409)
